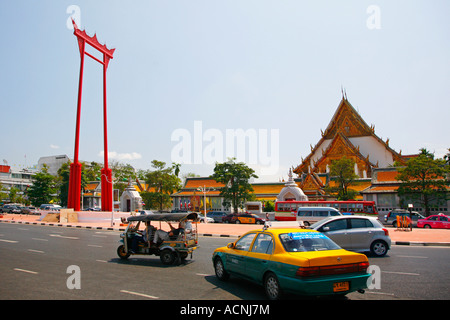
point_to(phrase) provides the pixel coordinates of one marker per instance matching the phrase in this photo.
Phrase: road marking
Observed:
(9, 241)
(38, 251)
(403, 273)
(382, 293)
(38, 239)
(99, 236)
(418, 257)
(24, 229)
(139, 294)
(102, 261)
(65, 237)
(94, 245)
(204, 274)
(26, 271)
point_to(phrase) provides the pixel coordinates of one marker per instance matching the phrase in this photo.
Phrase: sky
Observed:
(190, 79)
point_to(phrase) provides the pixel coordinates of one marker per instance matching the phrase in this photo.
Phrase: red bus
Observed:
(286, 210)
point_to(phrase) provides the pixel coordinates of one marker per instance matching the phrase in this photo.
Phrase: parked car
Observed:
(201, 217)
(243, 218)
(310, 215)
(391, 217)
(52, 207)
(29, 210)
(293, 260)
(437, 221)
(356, 233)
(216, 215)
(11, 208)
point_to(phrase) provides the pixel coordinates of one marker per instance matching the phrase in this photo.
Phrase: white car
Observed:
(356, 233)
(201, 217)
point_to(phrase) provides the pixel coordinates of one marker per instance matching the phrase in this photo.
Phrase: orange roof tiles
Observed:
(387, 176)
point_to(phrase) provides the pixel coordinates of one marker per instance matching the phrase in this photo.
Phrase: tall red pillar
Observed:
(75, 167)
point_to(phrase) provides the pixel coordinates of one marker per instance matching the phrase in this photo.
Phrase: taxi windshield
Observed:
(307, 241)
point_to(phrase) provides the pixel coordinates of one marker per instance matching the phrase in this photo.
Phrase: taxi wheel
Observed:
(167, 257)
(219, 268)
(237, 222)
(272, 287)
(121, 252)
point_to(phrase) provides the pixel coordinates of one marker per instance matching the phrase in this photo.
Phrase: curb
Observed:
(418, 243)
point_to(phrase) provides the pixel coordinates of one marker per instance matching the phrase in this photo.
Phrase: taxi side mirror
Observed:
(230, 245)
(325, 229)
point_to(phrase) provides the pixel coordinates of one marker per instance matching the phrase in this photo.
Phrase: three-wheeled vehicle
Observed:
(173, 249)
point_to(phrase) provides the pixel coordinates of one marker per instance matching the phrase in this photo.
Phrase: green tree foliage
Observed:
(424, 180)
(342, 171)
(43, 188)
(164, 182)
(235, 176)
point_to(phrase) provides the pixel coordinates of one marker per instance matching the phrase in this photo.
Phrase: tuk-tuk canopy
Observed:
(165, 217)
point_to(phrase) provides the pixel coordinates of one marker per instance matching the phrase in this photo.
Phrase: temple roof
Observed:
(349, 129)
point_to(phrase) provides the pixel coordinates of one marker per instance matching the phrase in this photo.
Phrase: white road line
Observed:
(418, 257)
(403, 273)
(102, 261)
(38, 239)
(99, 236)
(65, 237)
(94, 245)
(204, 274)
(383, 293)
(139, 294)
(38, 251)
(26, 271)
(9, 241)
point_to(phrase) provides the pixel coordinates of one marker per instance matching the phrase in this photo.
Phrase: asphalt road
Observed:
(43, 262)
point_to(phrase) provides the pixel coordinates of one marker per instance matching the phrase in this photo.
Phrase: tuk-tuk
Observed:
(172, 247)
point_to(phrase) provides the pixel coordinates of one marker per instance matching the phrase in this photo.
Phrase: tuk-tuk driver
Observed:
(142, 237)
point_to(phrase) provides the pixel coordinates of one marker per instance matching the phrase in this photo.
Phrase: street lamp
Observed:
(205, 189)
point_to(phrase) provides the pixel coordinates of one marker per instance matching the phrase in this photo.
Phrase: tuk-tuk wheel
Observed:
(121, 252)
(167, 257)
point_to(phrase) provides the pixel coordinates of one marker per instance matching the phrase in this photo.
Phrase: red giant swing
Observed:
(75, 167)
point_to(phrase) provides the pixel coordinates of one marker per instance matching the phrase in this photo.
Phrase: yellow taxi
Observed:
(292, 260)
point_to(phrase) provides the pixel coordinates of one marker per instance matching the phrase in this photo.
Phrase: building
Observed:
(11, 177)
(347, 135)
(53, 163)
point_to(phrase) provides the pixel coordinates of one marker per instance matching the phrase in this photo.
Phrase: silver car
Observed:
(356, 233)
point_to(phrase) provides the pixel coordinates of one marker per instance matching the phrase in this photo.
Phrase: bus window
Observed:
(343, 207)
(359, 207)
(368, 209)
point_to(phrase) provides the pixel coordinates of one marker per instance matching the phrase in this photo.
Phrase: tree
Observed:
(342, 171)
(235, 176)
(424, 180)
(43, 188)
(164, 182)
(63, 183)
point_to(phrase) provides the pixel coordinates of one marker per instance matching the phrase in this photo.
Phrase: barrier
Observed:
(404, 223)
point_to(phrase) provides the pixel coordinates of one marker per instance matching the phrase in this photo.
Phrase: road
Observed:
(42, 262)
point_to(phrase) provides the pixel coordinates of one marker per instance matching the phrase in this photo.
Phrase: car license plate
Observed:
(341, 286)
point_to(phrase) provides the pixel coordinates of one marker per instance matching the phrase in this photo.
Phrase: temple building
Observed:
(347, 135)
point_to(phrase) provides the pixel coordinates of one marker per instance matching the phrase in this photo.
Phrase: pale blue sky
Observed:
(275, 65)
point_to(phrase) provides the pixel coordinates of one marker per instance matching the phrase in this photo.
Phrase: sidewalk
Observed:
(418, 236)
